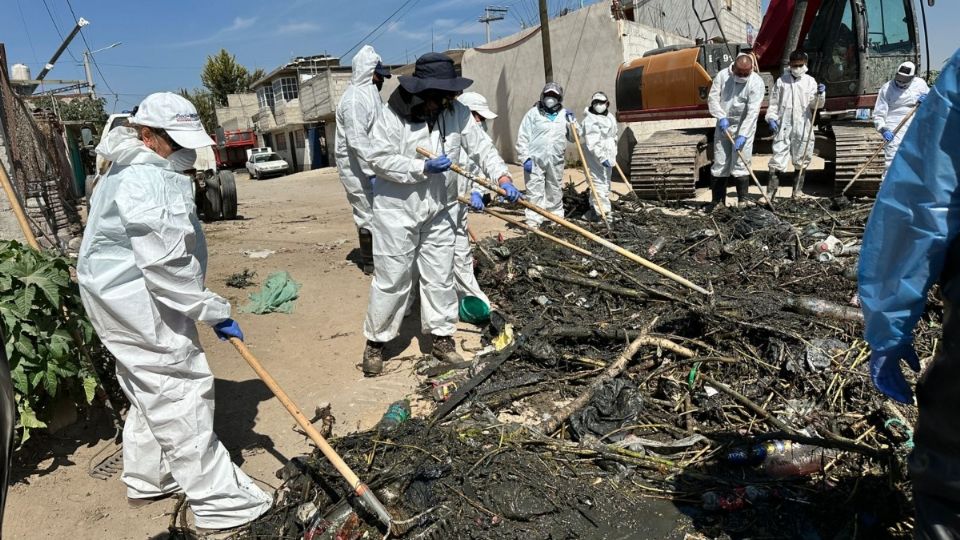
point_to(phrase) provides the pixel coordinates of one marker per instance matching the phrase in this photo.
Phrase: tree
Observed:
(223, 75)
(83, 109)
(255, 76)
(206, 108)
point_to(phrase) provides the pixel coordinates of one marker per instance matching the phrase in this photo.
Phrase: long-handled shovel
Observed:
(526, 227)
(367, 497)
(749, 167)
(798, 183)
(573, 227)
(878, 150)
(586, 171)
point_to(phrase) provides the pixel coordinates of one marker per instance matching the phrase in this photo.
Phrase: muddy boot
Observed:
(718, 193)
(373, 359)
(743, 187)
(445, 350)
(773, 184)
(797, 185)
(366, 250)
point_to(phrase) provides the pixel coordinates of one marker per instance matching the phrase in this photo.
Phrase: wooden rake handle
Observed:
(749, 167)
(573, 227)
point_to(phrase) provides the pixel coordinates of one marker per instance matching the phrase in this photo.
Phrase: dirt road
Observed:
(313, 352)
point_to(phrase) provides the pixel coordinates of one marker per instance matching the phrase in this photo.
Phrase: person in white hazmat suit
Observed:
(541, 144)
(734, 101)
(599, 133)
(894, 102)
(359, 108)
(793, 99)
(141, 272)
(415, 204)
(463, 256)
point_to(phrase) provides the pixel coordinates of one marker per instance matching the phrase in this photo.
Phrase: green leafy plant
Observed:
(45, 331)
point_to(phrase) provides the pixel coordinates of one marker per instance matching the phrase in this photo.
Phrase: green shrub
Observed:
(42, 318)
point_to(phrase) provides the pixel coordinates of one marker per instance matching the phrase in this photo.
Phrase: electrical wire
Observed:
(57, 28)
(27, 32)
(92, 59)
(385, 21)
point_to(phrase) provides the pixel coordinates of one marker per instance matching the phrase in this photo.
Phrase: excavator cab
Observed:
(856, 45)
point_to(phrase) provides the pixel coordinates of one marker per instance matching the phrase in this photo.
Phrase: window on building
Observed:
(888, 27)
(281, 142)
(298, 138)
(265, 96)
(286, 88)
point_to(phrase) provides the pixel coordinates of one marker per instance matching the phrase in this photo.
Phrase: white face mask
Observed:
(600, 108)
(798, 71)
(741, 80)
(902, 85)
(182, 159)
(550, 102)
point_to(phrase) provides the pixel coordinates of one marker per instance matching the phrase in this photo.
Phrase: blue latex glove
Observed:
(228, 329)
(528, 165)
(739, 142)
(886, 134)
(921, 98)
(821, 88)
(774, 125)
(476, 201)
(570, 116)
(438, 164)
(887, 374)
(606, 163)
(513, 194)
(723, 124)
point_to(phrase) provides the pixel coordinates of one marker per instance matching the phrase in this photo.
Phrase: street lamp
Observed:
(86, 66)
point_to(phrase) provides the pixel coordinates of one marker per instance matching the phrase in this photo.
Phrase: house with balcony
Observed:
(278, 121)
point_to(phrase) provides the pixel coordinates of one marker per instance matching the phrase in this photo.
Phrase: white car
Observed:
(266, 164)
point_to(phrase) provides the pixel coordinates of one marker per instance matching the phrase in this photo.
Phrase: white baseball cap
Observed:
(477, 103)
(175, 115)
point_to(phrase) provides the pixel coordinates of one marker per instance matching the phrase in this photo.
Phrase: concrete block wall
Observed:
(681, 18)
(238, 112)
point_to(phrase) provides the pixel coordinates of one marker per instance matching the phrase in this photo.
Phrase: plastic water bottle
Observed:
(397, 413)
(759, 453)
(656, 246)
(782, 459)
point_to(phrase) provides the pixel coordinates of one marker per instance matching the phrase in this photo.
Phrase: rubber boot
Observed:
(743, 187)
(366, 250)
(773, 185)
(718, 193)
(445, 350)
(798, 180)
(372, 359)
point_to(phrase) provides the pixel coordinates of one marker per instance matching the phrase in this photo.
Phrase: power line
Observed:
(57, 28)
(27, 32)
(92, 59)
(385, 21)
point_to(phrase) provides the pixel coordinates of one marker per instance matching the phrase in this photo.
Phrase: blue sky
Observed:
(165, 43)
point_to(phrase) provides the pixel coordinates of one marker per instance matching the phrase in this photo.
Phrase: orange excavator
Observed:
(854, 47)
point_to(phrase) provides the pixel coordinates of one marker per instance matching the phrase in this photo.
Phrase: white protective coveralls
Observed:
(893, 105)
(359, 108)
(599, 132)
(791, 105)
(415, 216)
(466, 279)
(141, 271)
(544, 140)
(739, 103)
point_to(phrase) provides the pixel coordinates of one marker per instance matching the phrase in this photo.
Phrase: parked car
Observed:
(266, 164)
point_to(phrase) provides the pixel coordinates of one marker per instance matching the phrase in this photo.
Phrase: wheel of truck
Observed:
(228, 194)
(212, 203)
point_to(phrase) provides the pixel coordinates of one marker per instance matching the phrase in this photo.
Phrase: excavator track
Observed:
(667, 165)
(856, 142)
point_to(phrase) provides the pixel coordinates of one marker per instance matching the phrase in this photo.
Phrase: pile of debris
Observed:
(607, 390)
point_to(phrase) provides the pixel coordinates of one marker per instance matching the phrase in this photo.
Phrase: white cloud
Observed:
(239, 23)
(299, 28)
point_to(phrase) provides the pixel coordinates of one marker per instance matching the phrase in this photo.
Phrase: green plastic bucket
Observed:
(474, 310)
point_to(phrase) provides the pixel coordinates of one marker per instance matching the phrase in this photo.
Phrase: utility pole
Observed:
(545, 37)
(86, 69)
(793, 34)
(63, 46)
(491, 14)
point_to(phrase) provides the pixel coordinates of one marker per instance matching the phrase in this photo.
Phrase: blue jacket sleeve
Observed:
(915, 219)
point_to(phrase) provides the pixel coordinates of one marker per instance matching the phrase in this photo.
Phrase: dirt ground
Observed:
(314, 353)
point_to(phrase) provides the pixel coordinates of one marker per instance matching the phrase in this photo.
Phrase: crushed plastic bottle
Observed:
(656, 246)
(782, 459)
(397, 413)
(442, 392)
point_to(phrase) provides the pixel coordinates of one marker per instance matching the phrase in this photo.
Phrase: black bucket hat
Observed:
(434, 71)
(382, 70)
